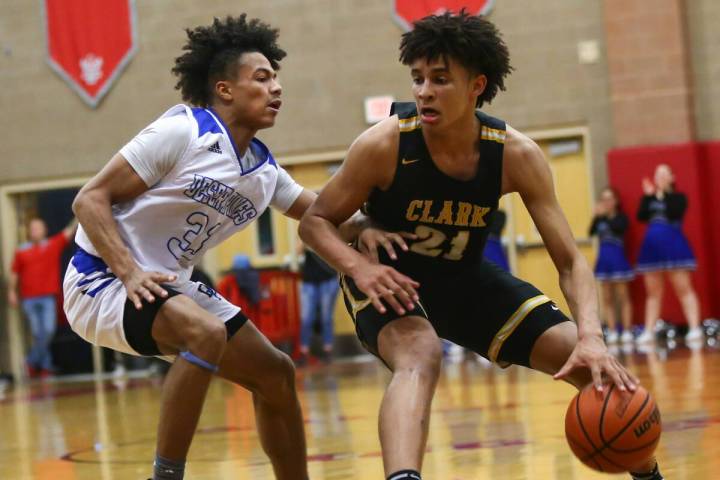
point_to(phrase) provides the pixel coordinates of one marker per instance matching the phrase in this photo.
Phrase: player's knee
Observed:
(209, 338)
(278, 377)
(424, 362)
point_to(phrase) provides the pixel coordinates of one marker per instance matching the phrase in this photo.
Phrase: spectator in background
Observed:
(666, 249)
(36, 270)
(241, 285)
(318, 295)
(493, 248)
(612, 269)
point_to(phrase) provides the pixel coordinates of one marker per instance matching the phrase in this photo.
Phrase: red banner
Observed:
(408, 11)
(89, 42)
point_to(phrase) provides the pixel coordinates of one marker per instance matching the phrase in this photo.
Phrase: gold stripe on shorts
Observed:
(355, 304)
(513, 322)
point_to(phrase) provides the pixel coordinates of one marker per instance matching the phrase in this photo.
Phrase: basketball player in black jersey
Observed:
(436, 169)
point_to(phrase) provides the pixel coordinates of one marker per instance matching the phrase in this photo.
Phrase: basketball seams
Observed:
(630, 450)
(582, 425)
(608, 443)
(602, 415)
(597, 457)
(580, 446)
(629, 422)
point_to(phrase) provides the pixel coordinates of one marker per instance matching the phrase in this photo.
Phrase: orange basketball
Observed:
(613, 431)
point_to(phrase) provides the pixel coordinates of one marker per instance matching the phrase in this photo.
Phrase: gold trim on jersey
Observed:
(355, 304)
(492, 134)
(513, 322)
(409, 124)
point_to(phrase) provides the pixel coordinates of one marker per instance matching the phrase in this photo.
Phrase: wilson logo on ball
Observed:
(642, 429)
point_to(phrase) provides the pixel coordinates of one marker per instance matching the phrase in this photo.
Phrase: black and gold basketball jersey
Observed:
(450, 217)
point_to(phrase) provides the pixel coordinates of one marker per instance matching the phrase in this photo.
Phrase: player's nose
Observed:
(425, 91)
(276, 88)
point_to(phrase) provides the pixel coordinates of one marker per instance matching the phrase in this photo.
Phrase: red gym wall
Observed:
(697, 172)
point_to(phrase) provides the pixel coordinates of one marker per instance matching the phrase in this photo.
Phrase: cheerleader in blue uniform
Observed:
(493, 248)
(612, 269)
(666, 249)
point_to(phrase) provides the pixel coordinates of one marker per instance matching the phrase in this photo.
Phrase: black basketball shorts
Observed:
(486, 310)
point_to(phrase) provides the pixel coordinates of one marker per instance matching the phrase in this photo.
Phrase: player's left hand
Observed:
(591, 353)
(371, 239)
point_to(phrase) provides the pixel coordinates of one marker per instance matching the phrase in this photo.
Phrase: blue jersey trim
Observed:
(219, 121)
(100, 287)
(206, 122)
(258, 148)
(86, 264)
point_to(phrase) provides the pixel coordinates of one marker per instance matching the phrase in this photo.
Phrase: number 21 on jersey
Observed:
(430, 240)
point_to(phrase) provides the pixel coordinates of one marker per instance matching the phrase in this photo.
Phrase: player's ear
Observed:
(478, 84)
(223, 90)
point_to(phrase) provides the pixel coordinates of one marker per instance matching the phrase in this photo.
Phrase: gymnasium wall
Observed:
(703, 18)
(339, 51)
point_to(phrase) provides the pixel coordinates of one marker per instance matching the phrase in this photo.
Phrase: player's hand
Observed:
(380, 282)
(145, 285)
(591, 353)
(370, 239)
(648, 186)
(13, 298)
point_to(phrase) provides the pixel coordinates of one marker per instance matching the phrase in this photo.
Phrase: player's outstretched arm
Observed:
(527, 172)
(358, 227)
(117, 182)
(370, 163)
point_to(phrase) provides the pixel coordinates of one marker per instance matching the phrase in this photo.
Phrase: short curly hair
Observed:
(212, 50)
(471, 40)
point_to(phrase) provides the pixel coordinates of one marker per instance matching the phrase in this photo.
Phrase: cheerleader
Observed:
(612, 269)
(493, 248)
(665, 249)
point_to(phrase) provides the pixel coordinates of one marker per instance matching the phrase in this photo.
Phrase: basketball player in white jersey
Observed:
(189, 180)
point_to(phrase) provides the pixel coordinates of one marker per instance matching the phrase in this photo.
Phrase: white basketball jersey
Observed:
(199, 191)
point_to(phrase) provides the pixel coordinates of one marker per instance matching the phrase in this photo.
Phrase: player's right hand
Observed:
(380, 282)
(145, 285)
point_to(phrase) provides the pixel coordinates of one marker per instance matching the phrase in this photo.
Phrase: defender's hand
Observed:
(140, 284)
(383, 282)
(371, 239)
(591, 352)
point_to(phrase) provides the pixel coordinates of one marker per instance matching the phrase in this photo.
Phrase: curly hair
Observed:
(211, 52)
(472, 41)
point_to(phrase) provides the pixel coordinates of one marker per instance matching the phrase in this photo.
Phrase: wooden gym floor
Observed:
(486, 423)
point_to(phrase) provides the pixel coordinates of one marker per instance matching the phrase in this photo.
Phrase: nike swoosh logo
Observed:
(405, 161)
(554, 307)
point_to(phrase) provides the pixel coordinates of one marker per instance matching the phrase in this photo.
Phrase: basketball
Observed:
(614, 431)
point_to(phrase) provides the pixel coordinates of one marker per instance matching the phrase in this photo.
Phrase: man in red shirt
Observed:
(36, 268)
